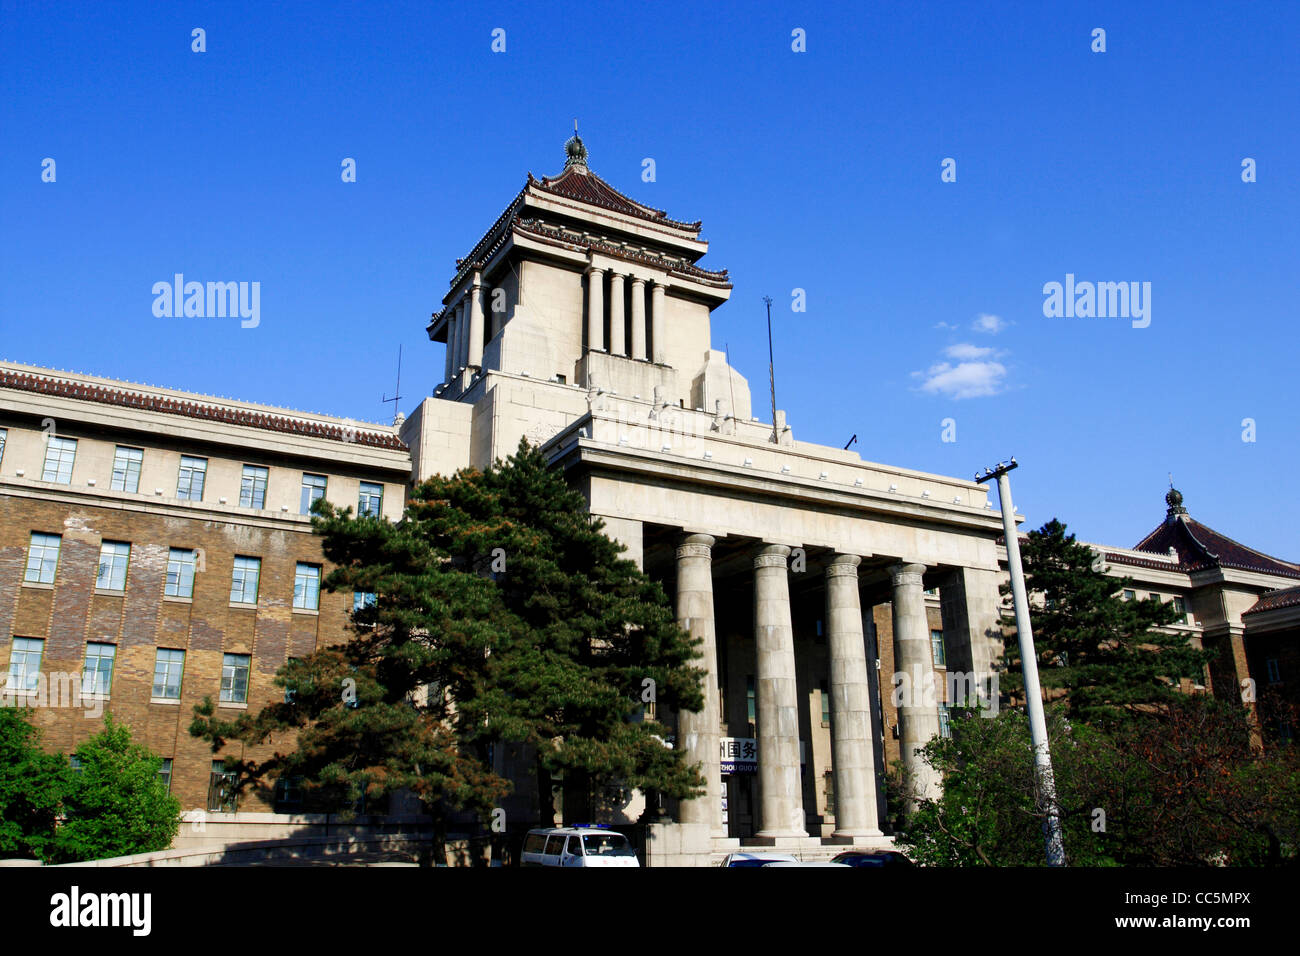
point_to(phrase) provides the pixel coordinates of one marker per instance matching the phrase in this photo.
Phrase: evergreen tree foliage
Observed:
(503, 616)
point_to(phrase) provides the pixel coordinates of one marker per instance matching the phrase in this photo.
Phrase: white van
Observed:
(583, 844)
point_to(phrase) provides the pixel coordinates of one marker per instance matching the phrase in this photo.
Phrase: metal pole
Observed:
(771, 368)
(1054, 844)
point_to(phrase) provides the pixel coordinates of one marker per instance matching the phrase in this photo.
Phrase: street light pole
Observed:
(1055, 846)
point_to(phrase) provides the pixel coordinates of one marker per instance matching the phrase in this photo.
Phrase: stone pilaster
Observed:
(638, 319)
(450, 362)
(658, 324)
(698, 732)
(596, 309)
(918, 712)
(781, 812)
(474, 351)
(851, 732)
(617, 338)
(462, 334)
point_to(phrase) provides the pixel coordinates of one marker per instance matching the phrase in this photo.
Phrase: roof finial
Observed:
(1174, 500)
(575, 154)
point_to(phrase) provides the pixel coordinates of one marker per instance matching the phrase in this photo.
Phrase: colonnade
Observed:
(780, 807)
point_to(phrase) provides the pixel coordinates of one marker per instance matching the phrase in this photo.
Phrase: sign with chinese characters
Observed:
(740, 754)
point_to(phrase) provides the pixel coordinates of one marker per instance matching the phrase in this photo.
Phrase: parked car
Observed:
(872, 858)
(583, 844)
(757, 859)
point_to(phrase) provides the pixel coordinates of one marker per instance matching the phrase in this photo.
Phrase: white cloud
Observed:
(992, 324)
(965, 379)
(965, 352)
(946, 325)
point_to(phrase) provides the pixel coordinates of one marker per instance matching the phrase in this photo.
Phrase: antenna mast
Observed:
(771, 368)
(397, 395)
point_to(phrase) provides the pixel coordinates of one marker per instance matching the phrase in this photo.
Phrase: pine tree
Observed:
(1106, 653)
(503, 615)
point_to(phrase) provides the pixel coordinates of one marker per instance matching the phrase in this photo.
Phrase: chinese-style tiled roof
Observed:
(576, 240)
(1285, 597)
(1199, 547)
(580, 183)
(145, 401)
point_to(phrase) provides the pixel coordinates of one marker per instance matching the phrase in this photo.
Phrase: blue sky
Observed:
(816, 170)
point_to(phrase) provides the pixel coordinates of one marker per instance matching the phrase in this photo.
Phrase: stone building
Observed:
(580, 320)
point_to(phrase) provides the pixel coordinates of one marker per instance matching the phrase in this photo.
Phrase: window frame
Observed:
(366, 497)
(122, 465)
(89, 687)
(249, 486)
(309, 496)
(180, 572)
(112, 565)
(165, 771)
(31, 548)
(228, 661)
(188, 466)
(235, 569)
(302, 583)
(938, 649)
(56, 457)
(30, 678)
(180, 679)
(4, 434)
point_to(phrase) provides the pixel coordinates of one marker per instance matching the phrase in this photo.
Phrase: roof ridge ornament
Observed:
(575, 153)
(1174, 499)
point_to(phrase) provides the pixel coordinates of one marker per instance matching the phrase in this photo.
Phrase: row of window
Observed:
(115, 557)
(97, 671)
(60, 453)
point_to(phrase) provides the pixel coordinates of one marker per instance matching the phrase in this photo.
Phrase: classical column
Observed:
(596, 309)
(658, 322)
(638, 318)
(474, 353)
(918, 712)
(462, 327)
(617, 345)
(851, 734)
(779, 779)
(698, 732)
(451, 345)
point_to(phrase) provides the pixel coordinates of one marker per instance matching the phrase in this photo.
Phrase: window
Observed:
(234, 679)
(42, 558)
(252, 490)
(313, 489)
(97, 675)
(3, 433)
(243, 580)
(751, 709)
(290, 693)
(1180, 607)
(74, 762)
(826, 705)
(828, 785)
(306, 587)
(189, 486)
(362, 599)
(180, 573)
(945, 728)
(221, 789)
(168, 667)
(165, 773)
(288, 794)
(1130, 595)
(1153, 596)
(59, 455)
(937, 649)
(126, 469)
(1274, 670)
(371, 502)
(113, 558)
(25, 663)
